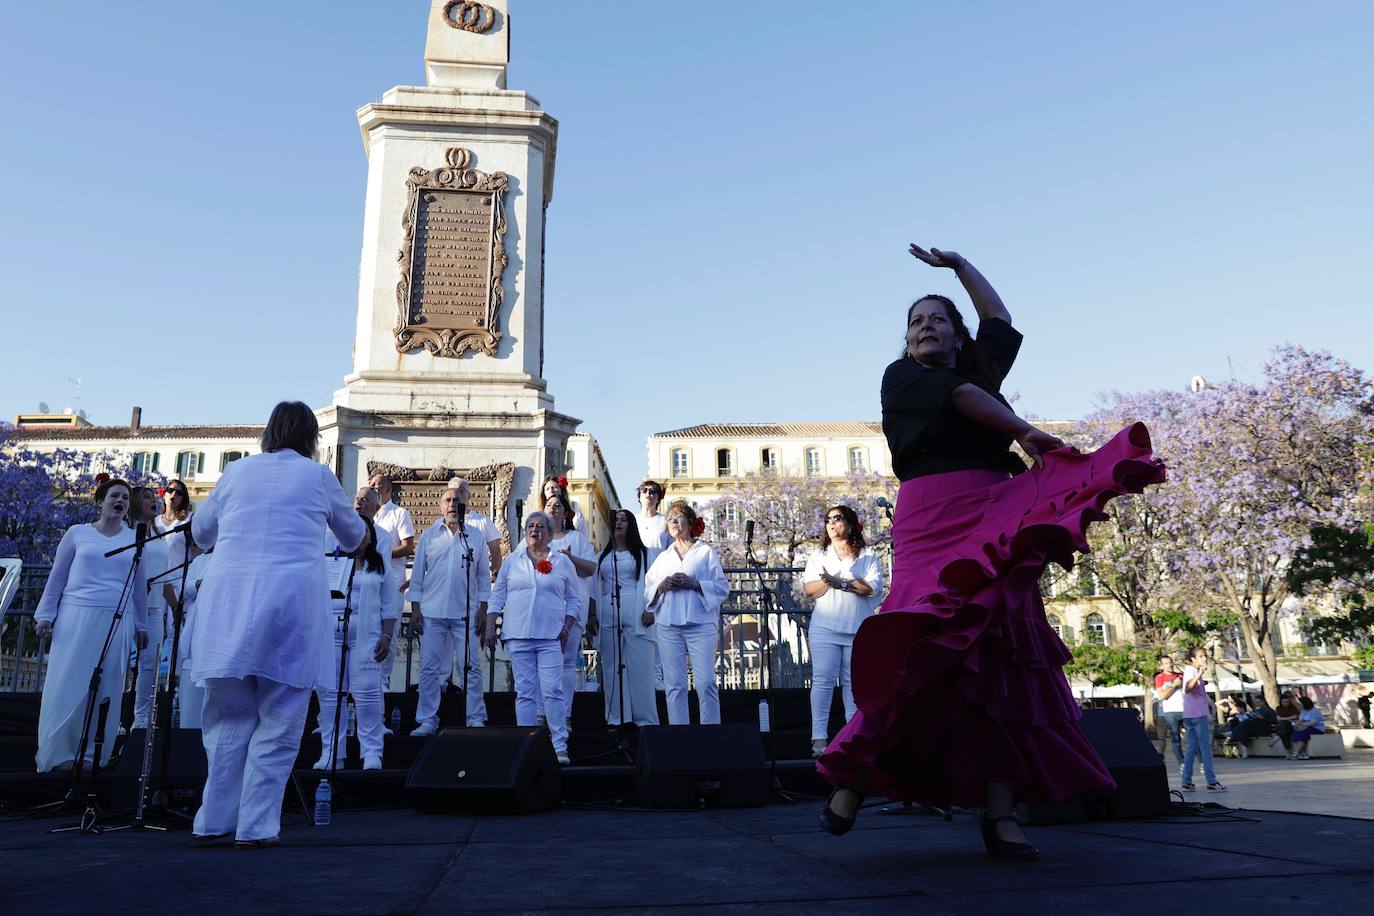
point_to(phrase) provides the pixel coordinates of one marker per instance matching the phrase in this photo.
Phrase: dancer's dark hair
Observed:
(633, 542)
(969, 360)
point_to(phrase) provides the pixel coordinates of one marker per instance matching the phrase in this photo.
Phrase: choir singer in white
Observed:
(687, 586)
(537, 600)
(263, 621)
(626, 637)
(79, 599)
(846, 579)
(450, 586)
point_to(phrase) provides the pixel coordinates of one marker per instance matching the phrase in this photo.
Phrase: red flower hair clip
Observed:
(562, 482)
(102, 477)
(544, 566)
(698, 527)
(161, 491)
(858, 527)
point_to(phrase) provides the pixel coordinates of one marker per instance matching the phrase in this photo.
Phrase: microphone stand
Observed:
(343, 667)
(74, 797)
(766, 644)
(467, 609)
(619, 641)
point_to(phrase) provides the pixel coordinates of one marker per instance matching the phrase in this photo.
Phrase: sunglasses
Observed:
(835, 518)
(651, 490)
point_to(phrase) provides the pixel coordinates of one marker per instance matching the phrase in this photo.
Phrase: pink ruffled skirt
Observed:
(959, 680)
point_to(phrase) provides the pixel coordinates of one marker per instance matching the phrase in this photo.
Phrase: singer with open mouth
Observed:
(958, 681)
(80, 597)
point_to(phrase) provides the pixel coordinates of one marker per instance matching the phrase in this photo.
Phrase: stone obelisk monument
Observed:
(448, 360)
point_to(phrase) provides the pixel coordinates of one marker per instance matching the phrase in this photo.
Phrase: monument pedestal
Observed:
(448, 360)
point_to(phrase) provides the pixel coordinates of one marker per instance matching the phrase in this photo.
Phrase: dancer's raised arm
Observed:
(985, 299)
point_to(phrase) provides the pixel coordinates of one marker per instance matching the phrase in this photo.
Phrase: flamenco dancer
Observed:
(959, 683)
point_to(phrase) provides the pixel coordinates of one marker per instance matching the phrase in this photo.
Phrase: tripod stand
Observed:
(766, 645)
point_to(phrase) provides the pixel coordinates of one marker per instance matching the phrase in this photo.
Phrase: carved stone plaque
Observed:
(453, 259)
(419, 489)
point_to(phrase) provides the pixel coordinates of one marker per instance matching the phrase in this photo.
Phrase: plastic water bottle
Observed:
(396, 719)
(581, 671)
(763, 716)
(324, 804)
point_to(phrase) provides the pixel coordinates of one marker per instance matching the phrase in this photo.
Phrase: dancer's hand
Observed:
(1036, 442)
(43, 628)
(937, 258)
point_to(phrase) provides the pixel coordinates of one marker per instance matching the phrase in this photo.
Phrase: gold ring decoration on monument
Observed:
(470, 16)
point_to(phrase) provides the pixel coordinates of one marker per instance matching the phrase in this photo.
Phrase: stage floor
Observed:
(760, 860)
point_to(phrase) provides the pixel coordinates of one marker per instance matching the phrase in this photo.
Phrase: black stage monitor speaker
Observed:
(487, 771)
(1142, 783)
(687, 766)
(186, 768)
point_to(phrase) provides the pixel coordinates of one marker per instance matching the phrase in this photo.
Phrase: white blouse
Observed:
(687, 606)
(534, 605)
(619, 565)
(83, 576)
(439, 580)
(653, 531)
(576, 542)
(840, 611)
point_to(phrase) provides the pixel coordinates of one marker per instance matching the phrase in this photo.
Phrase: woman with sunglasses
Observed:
(686, 586)
(653, 525)
(846, 580)
(627, 631)
(959, 681)
(176, 510)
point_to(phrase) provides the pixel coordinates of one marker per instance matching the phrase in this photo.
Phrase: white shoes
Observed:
(423, 730)
(372, 763)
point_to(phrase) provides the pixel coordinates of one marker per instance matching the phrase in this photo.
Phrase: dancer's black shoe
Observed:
(1004, 849)
(832, 822)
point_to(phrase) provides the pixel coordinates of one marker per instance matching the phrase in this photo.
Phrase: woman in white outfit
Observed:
(371, 622)
(144, 507)
(537, 599)
(686, 587)
(80, 597)
(653, 525)
(263, 621)
(190, 697)
(176, 509)
(558, 486)
(846, 579)
(582, 554)
(626, 628)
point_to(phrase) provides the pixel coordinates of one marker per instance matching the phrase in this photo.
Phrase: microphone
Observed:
(748, 533)
(883, 502)
(462, 513)
(141, 532)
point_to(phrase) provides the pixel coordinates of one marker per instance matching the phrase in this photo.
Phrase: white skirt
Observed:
(78, 634)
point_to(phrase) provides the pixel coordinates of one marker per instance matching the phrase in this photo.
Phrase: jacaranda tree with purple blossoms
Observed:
(1253, 470)
(42, 494)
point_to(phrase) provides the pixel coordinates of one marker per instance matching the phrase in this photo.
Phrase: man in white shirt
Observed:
(449, 588)
(491, 535)
(396, 522)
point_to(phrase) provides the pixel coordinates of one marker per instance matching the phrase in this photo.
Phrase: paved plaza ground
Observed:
(1242, 858)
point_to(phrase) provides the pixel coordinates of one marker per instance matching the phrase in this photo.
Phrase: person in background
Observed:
(144, 507)
(686, 586)
(191, 698)
(1287, 713)
(626, 634)
(558, 486)
(1363, 704)
(394, 520)
(1197, 722)
(1169, 689)
(79, 598)
(1310, 722)
(846, 580)
(491, 535)
(1260, 722)
(653, 525)
(448, 599)
(537, 600)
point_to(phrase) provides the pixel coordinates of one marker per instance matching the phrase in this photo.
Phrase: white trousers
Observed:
(190, 698)
(676, 644)
(149, 662)
(570, 653)
(251, 729)
(363, 681)
(441, 641)
(641, 705)
(831, 653)
(537, 668)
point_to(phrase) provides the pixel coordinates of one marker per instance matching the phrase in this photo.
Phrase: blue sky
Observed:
(1158, 191)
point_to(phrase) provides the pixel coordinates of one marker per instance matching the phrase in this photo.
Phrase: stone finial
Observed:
(468, 45)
